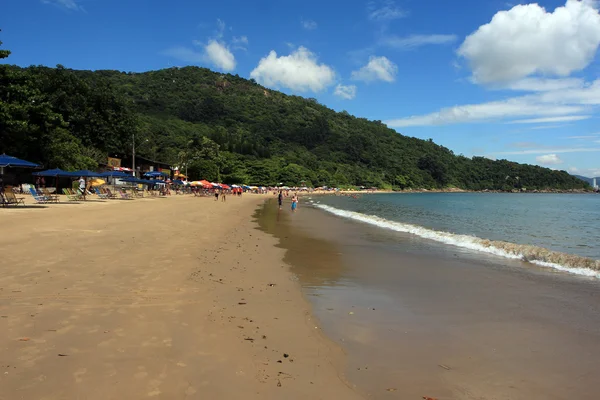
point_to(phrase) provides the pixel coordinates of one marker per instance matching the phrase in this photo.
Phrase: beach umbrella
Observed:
(9, 161)
(97, 182)
(52, 173)
(123, 169)
(155, 174)
(115, 174)
(56, 172)
(85, 174)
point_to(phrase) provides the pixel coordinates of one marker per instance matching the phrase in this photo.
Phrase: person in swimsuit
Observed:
(294, 202)
(280, 199)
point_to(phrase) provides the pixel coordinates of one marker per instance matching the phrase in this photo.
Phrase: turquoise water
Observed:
(528, 225)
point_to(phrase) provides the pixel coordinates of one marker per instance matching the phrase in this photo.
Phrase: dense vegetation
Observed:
(224, 127)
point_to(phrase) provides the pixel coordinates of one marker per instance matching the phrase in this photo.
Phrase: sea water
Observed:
(561, 231)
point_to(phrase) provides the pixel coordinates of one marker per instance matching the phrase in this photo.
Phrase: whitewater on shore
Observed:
(565, 262)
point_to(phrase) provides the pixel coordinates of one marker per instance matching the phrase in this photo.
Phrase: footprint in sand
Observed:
(78, 374)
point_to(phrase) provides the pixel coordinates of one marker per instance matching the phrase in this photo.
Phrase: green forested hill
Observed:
(227, 128)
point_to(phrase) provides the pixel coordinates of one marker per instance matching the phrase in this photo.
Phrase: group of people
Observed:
(294, 200)
(223, 193)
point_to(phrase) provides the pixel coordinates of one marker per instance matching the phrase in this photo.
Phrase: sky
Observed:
(503, 80)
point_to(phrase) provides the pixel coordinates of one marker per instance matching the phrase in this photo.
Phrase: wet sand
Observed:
(422, 319)
(177, 298)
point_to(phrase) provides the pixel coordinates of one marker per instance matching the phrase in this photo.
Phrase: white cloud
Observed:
(220, 28)
(544, 84)
(215, 52)
(239, 42)
(550, 119)
(386, 11)
(556, 150)
(548, 159)
(414, 41)
(593, 136)
(67, 4)
(514, 107)
(345, 92)
(378, 68)
(219, 55)
(528, 40)
(308, 24)
(589, 172)
(568, 104)
(549, 126)
(185, 54)
(298, 71)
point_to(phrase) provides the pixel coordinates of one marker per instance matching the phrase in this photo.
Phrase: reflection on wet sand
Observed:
(316, 262)
(421, 319)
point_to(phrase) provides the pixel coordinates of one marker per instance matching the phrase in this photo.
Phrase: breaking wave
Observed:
(536, 255)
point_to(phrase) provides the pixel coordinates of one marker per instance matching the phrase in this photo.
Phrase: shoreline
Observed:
(157, 298)
(532, 254)
(419, 320)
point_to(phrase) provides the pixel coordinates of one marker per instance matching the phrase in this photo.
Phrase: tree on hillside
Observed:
(225, 127)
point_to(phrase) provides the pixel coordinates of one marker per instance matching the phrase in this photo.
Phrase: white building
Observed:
(594, 184)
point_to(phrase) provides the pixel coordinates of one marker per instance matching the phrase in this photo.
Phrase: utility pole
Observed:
(133, 154)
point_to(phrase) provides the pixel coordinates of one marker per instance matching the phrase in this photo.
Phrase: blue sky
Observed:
(489, 78)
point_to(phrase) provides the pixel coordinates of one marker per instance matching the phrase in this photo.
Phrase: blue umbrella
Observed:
(52, 172)
(116, 174)
(85, 173)
(9, 161)
(155, 173)
(178, 182)
(131, 179)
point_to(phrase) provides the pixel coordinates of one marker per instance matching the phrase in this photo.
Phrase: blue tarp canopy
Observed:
(155, 173)
(116, 174)
(85, 173)
(178, 182)
(131, 179)
(9, 161)
(52, 172)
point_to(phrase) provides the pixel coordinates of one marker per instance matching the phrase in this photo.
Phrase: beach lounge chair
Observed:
(70, 196)
(125, 195)
(100, 194)
(50, 196)
(78, 195)
(109, 194)
(11, 199)
(37, 197)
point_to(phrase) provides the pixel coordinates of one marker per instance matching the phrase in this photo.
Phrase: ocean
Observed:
(429, 294)
(554, 230)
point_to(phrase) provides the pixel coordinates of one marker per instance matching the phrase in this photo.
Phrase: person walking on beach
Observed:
(280, 199)
(294, 203)
(223, 194)
(82, 185)
(216, 195)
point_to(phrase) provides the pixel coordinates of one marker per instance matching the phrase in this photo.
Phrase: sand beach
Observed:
(161, 298)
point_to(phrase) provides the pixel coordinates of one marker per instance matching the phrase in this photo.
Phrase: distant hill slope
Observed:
(263, 136)
(588, 180)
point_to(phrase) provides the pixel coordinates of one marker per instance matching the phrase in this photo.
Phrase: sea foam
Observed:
(536, 255)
